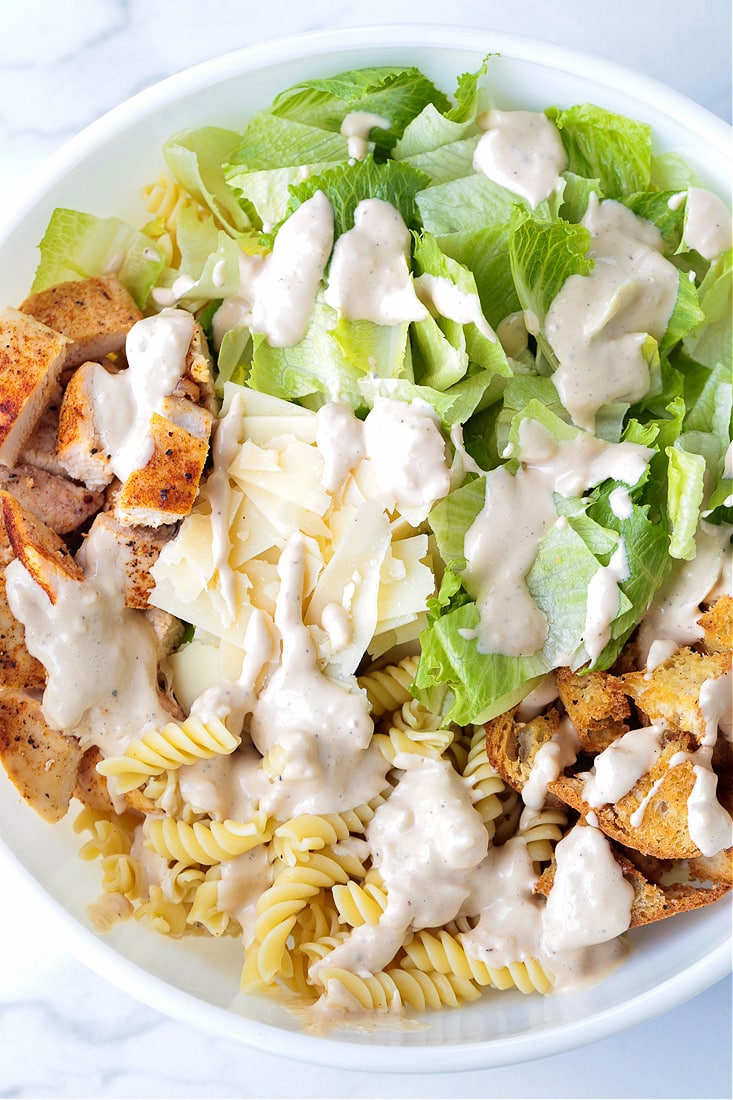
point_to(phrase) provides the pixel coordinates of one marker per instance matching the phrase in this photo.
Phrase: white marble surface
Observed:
(64, 1032)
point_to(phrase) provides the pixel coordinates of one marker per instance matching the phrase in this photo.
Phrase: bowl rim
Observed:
(104, 959)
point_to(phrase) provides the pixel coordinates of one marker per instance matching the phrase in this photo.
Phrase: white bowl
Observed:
(102, 170)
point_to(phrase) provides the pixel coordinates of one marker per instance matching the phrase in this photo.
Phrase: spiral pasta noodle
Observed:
(359, 904)
(389, 687)
(542, 831)
(171, 747)
(389, 990)
(485, 781)
(205, 842)
(444, 953)
(164, 198)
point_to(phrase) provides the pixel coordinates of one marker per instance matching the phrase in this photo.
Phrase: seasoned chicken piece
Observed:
(95, 314)
(195, 419)
(596, 704)
(164, 490)
(42, 552)
(80, 448)
(91, 788)
(41, 762)
(137, 549)
(61, 504)
(31, 359)
(652, 901)
(200, 370)
(167, 628)
(671, 693)
(40, 448)
(18, 669)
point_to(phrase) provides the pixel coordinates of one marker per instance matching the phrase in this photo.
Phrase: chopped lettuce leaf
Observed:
(78, 246)
(608, 147)
(195, 159)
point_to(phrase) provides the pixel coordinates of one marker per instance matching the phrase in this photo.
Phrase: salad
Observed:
(377, 606)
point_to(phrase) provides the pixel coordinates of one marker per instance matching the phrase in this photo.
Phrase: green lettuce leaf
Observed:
(195, 159)
(607, 147)
(78, 246)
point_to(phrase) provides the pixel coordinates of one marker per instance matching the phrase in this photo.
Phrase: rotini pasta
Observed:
(388, 688)
(490, 789)
(414, 728)
(389, 990)
(359, 904)
(442, 952)
(205, 842)
(158, 751)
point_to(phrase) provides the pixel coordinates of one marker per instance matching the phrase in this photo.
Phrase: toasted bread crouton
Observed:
(670, 695)
(660, 796)
(596, 705)
(80, 447)
(512, 746)
(59, 503)
(41, 762)
(717, 623)
(717, 868)
(95, 314)
(165, 489)
(31, 359)
(41, 551)
(18, 669)
(652, 901)
(136, 549)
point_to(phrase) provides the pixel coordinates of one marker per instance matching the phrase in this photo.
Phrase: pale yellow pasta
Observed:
(205, 842)
(307, 833)
(542, 831)
(164, 199)
(205, 910)
(440, 951)
(389, 990)
(181, 881)
(166, 917)
(489, 788)
(110, 835)
(278, 908)
(359, 904)
(121, 875)
(389, 687)
(171, 747)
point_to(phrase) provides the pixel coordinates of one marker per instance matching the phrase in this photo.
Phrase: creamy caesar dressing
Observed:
(426, 841)
(672, 620)
(409, 455)
(621, 503)
(225, 788)
(442, 296)
(124, 403)
(620, 766)
(590, 901)
(523, 151)
(512, 334)
(356, 127)
(369, 278)
(707, 223)
(235, 310)
(599, 323)
(285, 290)
(538, 699)
(320, 728)
(501, 544)
(340, 439)
(101, 658)
(603, 601)
(243, 880)
(550, 759)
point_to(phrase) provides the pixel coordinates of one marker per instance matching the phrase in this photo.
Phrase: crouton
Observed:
(80, 447)
(18, 669)
(165, 489)
(717, 624)
(95, 314)
(661, 795)
(136, 550)
(670, 694)
(59, 503)
(512, 746)
(42, 763)
(652, 901)
(31, 359)
(596, 705)
(41, 551)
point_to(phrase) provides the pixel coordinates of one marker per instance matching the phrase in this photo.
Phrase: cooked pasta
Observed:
(359, 904)
(388, 990)
(164, 199)
(444, 953)
(308, 833)
(205, 842)
(490, 789)
(541, 831)
(162, 750)
(414, 728)
(389, 687)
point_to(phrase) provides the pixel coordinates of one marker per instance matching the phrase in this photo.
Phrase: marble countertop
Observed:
(64, 1032)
